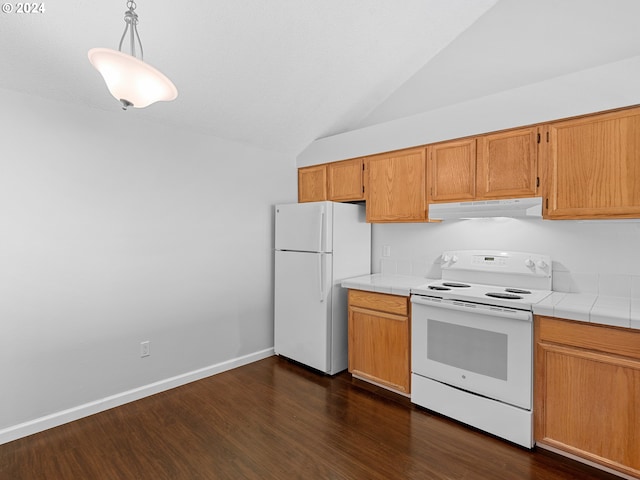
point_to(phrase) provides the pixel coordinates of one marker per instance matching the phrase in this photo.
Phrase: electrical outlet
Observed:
(145, 349)
(386, 250)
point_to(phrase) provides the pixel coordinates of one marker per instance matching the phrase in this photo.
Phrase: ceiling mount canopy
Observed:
(130, 80)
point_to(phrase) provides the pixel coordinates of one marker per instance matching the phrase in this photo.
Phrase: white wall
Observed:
(517, 43)
(114, 231)
(608, 86)
(599, 256)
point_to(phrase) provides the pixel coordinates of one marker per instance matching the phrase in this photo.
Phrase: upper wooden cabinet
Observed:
(499, 165)
(594, 166)
(346, 180)
(587, 167)
(312, 183)
(336, 181)
(396, 187)
(508, 164)
(451, 168)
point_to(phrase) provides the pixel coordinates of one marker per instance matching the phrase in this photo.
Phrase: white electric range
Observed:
(472, 340)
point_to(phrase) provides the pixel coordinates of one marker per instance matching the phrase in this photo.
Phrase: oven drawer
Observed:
(497, 418)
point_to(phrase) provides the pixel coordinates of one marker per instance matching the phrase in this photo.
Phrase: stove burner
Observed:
(517, 290)
(438, 287)
(456, 285)
(509, 296)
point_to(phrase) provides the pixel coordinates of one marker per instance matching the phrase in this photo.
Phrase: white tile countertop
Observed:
(589, 307)
(384, 283)
(585, 307)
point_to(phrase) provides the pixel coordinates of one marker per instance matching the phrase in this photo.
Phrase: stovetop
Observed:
(479, 293)
(508, 279)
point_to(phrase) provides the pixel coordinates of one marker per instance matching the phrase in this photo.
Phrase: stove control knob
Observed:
(445, 258)
(454, 259)
(529, 263)
(541, 264)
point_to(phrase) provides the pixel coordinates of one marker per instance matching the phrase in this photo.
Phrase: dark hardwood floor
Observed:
(276, 420)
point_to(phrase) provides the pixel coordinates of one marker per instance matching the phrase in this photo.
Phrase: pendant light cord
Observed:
(131, 25)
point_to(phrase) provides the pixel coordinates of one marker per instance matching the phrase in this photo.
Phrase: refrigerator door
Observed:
(304, 227)
(303, 298)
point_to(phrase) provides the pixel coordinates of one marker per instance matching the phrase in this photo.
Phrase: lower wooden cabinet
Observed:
(379, 339)
(587, 392)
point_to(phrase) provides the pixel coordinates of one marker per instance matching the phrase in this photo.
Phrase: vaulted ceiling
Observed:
(279, 74)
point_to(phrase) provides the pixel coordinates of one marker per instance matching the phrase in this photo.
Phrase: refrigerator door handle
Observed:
(321, 230)
(321, 275)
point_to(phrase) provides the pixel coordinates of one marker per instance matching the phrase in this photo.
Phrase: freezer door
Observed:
(304, 227)
(303, 307)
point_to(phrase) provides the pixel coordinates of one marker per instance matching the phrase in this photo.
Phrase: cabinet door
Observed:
(379, 347)
(312, 183)
(345, 180)
(396, 187)
(594, 166)
(587, 392)
(507, 164)
(451, 168)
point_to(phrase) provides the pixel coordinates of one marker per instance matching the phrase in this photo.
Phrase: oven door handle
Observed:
(478, 308)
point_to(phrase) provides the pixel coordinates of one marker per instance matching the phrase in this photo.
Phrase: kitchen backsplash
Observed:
(598, 257)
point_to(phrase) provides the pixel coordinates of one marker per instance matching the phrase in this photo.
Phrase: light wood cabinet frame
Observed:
(587, 392)
(488, 167)
(345, 180)
(583, 167)
(451, 171)
(312, 183)
(593, 166)
(508, 164)
(396, 187)
(379, 339)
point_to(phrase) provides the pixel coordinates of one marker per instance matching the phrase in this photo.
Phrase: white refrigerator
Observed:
(317, 245)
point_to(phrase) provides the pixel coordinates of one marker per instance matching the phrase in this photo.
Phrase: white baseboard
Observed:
(65, 416)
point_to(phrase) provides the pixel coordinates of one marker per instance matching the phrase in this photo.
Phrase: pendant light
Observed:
(131, 81)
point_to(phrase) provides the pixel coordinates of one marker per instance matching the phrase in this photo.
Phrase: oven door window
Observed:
(475, 350)
(472, 349)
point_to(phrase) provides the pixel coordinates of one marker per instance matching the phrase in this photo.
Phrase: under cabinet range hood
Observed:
(513, 207)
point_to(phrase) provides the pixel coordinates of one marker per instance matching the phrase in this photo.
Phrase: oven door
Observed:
(482, 349)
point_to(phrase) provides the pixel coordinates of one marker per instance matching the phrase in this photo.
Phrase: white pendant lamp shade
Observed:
(130, 80)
